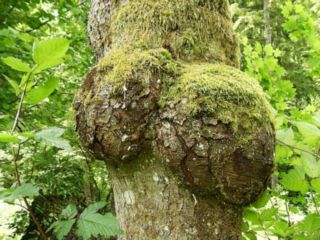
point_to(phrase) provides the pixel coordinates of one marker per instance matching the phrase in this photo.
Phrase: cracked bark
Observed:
(183, 165)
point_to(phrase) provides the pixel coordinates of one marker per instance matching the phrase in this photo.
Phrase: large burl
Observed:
(187, 137)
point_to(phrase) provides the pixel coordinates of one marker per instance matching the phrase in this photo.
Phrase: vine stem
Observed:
(16, 158)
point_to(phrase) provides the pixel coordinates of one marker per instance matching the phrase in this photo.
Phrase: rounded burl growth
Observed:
(211, 123)
(118, 100)
(167, 84)
(215, 126)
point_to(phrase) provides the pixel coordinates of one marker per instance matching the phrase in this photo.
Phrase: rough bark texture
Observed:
(157, 205)
(267, 25)
(188, 137)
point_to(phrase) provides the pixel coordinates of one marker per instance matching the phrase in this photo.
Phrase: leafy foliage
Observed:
(49, 53)
(89, 224)
(52, 136)
(44, 55)
(24, 190)
(288, 73)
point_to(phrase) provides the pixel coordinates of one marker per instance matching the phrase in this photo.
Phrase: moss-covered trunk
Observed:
(187, 136)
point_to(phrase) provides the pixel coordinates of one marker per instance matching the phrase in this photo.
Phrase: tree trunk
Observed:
(267, 26)
(152, 203)
(187, 137)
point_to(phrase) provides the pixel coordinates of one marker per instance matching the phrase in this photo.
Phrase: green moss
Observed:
(192, 29)
(219, 91)
(137, 63)
(216, 90)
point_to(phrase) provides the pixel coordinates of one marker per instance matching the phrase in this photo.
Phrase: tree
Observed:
(188, 138)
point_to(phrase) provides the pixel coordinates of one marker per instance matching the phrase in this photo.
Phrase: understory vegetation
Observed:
(61, 191)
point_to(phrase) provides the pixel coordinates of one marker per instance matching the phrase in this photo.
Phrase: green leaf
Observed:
(309, 131)
(25, 190)
(262, 201)
(281, 229)
(26, 134)
(286, 136)
(62, 228)
(38, 94)
(268, 214)
(5, 193)
(268, 49)
(310, 224)
(24, 80)
(52, 136)
(310, 165)
(251, 216)
(95, 224)
(316, 118)
(250, 236)
(91, 223)
(13, 84)
(294, 181)
(8, 138)
(301, 237)
(16, 64)
(92, 208)
(315, 183)
(283, 154)
(49, 53)
(69, 212)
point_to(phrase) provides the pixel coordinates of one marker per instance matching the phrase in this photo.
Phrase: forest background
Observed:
(45, 54)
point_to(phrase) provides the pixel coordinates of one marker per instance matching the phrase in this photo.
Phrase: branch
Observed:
(39, 26)
(288, 213)
(16, 158)
(16, 120)
(28, 207)
(297, 148)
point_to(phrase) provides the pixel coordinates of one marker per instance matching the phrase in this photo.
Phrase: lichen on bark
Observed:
(179, 126)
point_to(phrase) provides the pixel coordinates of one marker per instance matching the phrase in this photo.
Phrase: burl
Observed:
(187, 137)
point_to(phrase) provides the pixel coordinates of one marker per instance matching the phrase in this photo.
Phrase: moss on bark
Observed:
(221, 92)
(210, 121)
(189, 29)
(167, 84)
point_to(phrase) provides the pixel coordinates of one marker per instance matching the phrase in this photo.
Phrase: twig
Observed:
(15, 163)
(28, 207)
(16, 158)
(288, 213)
(297, 148)
(16, 120)
(39, 26)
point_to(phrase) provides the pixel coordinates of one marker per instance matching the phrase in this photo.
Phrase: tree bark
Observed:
(187, 137)
(152, 203)
(267, 25)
